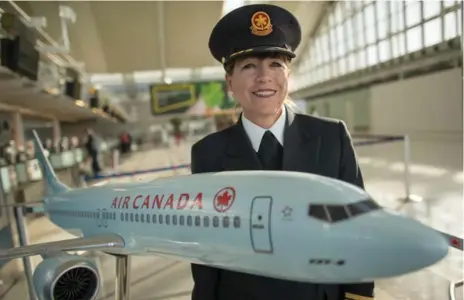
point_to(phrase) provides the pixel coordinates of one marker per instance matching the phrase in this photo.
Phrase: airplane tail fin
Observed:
(52, 184)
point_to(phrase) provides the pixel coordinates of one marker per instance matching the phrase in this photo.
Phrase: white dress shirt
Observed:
(255, 133)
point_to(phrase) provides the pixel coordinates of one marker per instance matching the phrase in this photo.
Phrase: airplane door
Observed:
(260, 223)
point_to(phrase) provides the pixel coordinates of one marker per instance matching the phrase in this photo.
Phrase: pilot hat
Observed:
(255, 29)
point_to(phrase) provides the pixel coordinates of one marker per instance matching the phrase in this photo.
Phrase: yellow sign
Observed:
(261, 24)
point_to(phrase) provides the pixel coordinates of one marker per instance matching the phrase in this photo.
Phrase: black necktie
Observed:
(270, 152)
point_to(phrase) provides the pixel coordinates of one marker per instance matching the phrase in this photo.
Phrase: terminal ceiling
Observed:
(128, 36)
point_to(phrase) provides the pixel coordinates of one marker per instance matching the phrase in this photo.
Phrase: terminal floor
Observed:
(436, 175)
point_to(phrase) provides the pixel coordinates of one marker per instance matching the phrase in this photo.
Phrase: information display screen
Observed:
(198, 98)
(172, 97)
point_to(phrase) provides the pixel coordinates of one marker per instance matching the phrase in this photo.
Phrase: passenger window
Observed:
(225, 222)
(237, 222)
(317, 211)
(142, 218)
(153, 218)
(167, 219)
(197, 221)
(136, 218)
(160, 219)
(148, 218)
(206, 221)
(127, 217)
(174, 219)
(122, 216)
(337, 212)
(132, 217)
(189, 221)
(215, 221)
(181, 220)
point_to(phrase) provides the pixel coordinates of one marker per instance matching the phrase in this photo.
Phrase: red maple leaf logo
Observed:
(223, 200)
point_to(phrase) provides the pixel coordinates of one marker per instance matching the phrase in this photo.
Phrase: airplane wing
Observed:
(100, 242)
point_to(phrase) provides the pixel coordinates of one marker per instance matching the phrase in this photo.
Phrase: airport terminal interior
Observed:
(119, 91)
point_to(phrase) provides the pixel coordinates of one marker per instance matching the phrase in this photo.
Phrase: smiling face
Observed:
(260, 85)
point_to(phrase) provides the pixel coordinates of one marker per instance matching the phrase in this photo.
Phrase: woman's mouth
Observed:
(264, 93)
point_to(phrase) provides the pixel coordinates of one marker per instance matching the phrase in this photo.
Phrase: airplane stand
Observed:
(122, 291)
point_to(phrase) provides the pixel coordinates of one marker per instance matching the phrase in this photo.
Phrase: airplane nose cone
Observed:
(408, 245)
(425, 245)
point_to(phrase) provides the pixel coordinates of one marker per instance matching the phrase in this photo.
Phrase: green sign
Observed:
(197, 98)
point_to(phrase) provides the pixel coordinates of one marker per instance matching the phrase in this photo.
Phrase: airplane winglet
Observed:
(52, 183)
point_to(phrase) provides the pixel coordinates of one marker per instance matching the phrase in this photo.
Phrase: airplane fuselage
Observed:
(252, 224)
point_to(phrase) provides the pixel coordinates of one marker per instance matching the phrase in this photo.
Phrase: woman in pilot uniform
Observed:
(255, 44)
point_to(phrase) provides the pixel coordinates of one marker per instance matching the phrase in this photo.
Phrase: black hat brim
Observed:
(261, 50)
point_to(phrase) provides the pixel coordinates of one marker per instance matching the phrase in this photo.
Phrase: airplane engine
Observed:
(66, 277)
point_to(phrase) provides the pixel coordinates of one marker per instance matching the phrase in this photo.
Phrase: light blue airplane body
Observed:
(286, 225)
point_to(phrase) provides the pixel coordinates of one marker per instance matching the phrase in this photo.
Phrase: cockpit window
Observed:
(317, 211)
(362, 207)
(337, 213)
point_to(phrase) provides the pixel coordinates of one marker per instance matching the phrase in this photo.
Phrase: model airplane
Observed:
(287, 225)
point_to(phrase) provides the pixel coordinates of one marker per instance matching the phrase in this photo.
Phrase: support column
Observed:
(56, 131)
(18, 129)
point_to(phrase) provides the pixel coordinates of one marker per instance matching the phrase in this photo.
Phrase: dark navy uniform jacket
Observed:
(311, 144)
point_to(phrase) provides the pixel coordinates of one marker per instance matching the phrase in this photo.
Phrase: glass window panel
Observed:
(349, 43)
(352, 62)
(358, 21)
(431, 8)
(338, 13)
(432, 32)
(326, 72)
(450, 25)
(359, 39)
(334, 67)
(342, 66)
(396, 7)
(325, 44)
(414, 39)
(370, 35)
(357, 4)
(341, 48)
(362, 59)
(381, 10)
(369, 15)
(449, 3)
(383, 29)
(349, 26)
(413, 13)
(331, 19)
(460, 21)
(397, 22)
(384, 51)
(339, 31)
(372, 55)
(398, 45)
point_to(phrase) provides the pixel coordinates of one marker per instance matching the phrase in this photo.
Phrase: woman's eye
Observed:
(248, 66)
(276, 64)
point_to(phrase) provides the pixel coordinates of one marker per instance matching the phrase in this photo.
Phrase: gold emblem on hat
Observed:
(261, 24)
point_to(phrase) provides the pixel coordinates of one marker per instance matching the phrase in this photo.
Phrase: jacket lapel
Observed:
(301, 145)
(240, 154)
